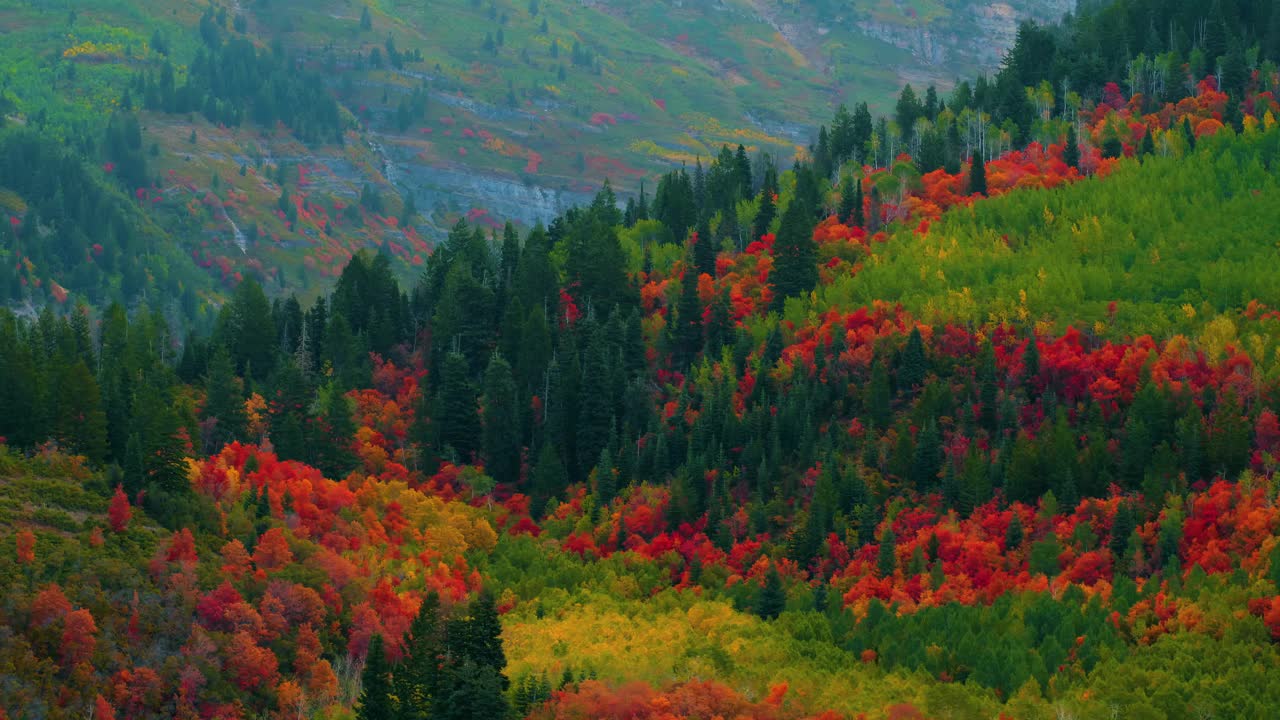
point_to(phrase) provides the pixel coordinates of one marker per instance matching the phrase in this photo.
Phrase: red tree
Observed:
(119, 513)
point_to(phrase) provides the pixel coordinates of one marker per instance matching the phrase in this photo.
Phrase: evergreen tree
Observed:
(977, 175)
(501, 423)
(418, 679)
(483, 637)
(795, 254)
(771, 599)
(1071, 153)
(688, 333)
(475, 692)
(886, 557)
(914, 366)
(549, 480)
(595, 408)
(223, 404)
(376, 702)
(335, 457)
(457, 416)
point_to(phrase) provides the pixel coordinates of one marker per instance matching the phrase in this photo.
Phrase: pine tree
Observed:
(474, 692)
(1014, 535)
(456, 415)
(771, 599)
(335, 456)
(1071, 153)
(879, 402)
(795, 255)
(223, 404)
(977, 175)
(483, 637)
(595, 406)
(886, 557)
(417, 680)
(688, 333)
(375, 688)
(915, 365)
(549, 479)
(501, 423)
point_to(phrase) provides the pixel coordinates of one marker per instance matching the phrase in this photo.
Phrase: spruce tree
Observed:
(977, 175)
(501, 423)
(549, 479)
(688, 333)
(886, 558)
(335, 456)
(771, 599)
(459, 422)
(595, 406)
(795, 255)
(223, 404)
(417, 680)
(915, 366)
(1071, 153)
(375, 688)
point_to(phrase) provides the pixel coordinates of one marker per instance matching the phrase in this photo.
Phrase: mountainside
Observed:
(489, 111)
(970, 412)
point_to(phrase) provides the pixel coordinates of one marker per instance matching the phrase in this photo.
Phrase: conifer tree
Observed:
(549, 479)
(335, 455)
(1071, 153)
(223, 404)
(771, 599)
(795, 254)
(375, 688)
(886, 557)
(501, 422)
(417, 679)
(977, 175)
(456, 414)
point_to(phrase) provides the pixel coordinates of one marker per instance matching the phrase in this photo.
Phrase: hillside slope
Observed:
(283, 165)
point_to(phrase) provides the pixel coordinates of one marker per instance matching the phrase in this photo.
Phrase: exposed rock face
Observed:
(978, 34)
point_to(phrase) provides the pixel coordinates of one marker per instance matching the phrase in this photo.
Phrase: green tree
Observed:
(915, 365)
(335, 457)
(795, 254)
(418, 679)
(223, 404)
(886, 556)
(376, 702)
(457, 417)
(977, 175)
(1071, 153)
(771, 599)
(501, 423)
(549, 479)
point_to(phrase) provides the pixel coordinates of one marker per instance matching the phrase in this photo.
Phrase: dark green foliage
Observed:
(914, 365)
(376, 702)
(549, 479)
(795, 254)
(335, 456)
(886, 557)
(771, 599)
(1071, 152)
(457, 416)
(223, 405)
(977, 175)
(501, 423)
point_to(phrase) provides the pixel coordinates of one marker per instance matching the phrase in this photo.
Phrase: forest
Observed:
(967, 411)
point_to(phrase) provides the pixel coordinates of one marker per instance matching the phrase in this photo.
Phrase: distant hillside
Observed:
(276, 138)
